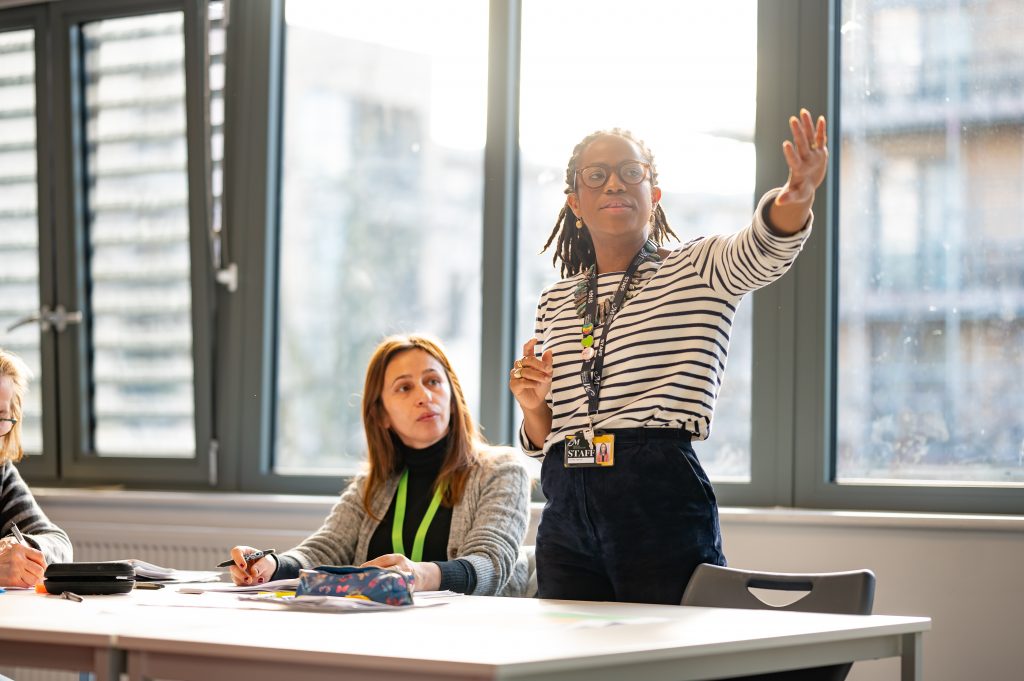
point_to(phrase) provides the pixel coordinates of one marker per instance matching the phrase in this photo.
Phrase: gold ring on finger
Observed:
(518, 364)
(517, 372)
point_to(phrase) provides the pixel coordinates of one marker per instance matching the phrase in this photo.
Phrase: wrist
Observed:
(428, 577)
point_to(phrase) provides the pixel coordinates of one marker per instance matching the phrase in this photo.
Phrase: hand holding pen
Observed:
(250, 566)
(20, 563)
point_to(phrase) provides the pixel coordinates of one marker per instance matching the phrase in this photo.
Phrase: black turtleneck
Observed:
(423, 466)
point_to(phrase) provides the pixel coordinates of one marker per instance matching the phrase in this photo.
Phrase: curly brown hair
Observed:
(575, 248)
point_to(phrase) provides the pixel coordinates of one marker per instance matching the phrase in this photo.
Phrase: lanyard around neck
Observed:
(421, 534)
(593, 363)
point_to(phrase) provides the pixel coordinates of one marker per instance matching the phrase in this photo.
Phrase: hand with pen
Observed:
(251, 566)
(20, 563)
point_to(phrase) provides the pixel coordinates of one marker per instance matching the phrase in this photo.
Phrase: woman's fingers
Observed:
(820, 136)
(807, 125)
(238, 576)
(238, 554)
(800, 141)
(807, 157)
(262, 570)
(390, 560)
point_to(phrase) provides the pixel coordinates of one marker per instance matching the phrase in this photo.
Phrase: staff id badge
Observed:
(582, 453)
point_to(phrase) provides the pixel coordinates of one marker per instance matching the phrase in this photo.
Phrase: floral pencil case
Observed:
(381, 585)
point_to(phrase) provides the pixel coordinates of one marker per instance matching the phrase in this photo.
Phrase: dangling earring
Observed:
(579, 223)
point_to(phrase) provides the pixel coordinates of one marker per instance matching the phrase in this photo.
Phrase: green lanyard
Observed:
(428, 517)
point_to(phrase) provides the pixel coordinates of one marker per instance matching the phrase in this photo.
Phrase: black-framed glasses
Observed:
(630, 172)
(7, 424)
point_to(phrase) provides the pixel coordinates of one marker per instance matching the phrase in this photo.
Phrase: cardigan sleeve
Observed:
(495, 524)
(18, 506)
(335, 542)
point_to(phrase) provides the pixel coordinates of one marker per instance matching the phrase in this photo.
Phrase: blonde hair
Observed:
(464, 439)
(15, 368)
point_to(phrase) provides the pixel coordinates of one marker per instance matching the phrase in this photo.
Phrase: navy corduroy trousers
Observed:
(633, 532)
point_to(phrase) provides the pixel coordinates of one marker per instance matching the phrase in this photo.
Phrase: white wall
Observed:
(962, 571)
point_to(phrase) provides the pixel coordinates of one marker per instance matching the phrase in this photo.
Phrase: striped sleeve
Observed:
(18, 506)
(666, 352)
(739, 263)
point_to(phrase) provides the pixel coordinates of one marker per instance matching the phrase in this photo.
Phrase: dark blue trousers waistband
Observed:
(648, 434)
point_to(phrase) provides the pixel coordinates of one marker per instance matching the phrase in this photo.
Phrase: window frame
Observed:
(76, 463)
(794, 401)
(44, 465)
(811, 292)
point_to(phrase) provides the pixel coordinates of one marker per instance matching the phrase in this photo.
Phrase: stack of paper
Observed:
(148, 572)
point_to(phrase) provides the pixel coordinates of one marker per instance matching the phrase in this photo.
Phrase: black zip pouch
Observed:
(111, 577)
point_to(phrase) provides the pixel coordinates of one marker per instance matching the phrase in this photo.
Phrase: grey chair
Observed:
(843, 593)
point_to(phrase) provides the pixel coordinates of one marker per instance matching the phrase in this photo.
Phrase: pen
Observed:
(249, 558)
(18, 535)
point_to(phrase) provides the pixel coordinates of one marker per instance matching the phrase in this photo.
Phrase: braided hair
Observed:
(575, 248)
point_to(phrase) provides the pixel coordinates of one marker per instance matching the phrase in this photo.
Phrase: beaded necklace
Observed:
(636, 283)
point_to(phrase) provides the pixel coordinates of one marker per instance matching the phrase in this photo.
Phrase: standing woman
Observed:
(635, 339)
(437, 501)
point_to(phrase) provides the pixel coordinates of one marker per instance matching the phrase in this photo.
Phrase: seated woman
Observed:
(436, 501)
(21, 564)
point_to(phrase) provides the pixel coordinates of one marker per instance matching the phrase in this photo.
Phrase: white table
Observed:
(468, 638)
(49, 632)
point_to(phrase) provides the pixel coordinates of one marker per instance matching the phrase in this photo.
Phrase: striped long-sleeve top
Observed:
(666, 354)
(17, 505)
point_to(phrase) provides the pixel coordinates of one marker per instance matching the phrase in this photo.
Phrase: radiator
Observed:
(180, 556)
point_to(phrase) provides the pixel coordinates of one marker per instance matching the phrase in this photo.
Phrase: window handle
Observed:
(58, 319)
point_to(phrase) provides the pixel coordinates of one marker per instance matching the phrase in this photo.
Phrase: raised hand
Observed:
(807, 158)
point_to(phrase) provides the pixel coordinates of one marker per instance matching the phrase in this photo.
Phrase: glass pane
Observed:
(19, 226)
(620, 73)
(138, 232)
(931, 290)
(380, 227)
(217, 40)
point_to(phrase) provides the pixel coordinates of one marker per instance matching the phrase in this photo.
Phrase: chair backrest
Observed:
(843, 593)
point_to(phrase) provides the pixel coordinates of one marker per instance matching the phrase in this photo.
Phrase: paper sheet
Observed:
(227, 587)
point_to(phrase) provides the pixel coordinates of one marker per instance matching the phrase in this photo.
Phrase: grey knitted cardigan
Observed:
(487, 529)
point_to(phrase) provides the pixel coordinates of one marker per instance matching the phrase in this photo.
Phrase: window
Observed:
(361, 175)
(102, 279)
(704, 154)
(139, 292)
(19, 238)
(930, 316)
(381, 190)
